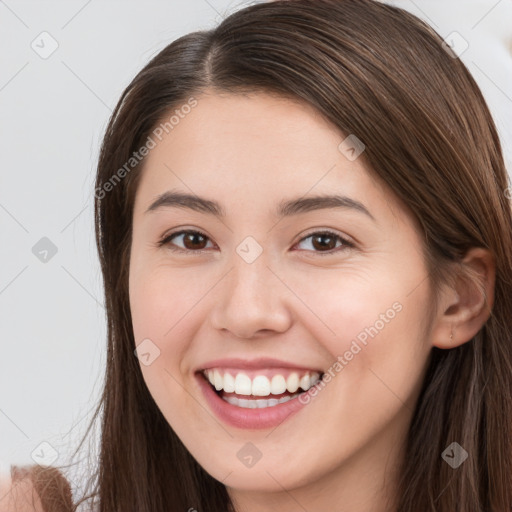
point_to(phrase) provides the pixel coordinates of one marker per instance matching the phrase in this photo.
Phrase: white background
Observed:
(52, 115)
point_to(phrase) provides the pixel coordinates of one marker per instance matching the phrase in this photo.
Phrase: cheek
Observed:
(161, 300)
(371, 325)
(372, 330)
(167, 306)
(161, 309)
(354, 306)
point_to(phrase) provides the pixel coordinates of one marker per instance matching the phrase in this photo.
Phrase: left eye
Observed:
(194, 241)
(327, 240)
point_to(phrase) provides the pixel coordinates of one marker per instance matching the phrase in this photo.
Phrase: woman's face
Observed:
(262, 293)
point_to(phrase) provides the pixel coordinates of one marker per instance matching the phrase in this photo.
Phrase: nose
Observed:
(251, 301)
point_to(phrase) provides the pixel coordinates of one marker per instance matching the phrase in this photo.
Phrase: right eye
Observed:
(192, 240)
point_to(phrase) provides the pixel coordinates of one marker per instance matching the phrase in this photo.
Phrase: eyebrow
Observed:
(172, 199)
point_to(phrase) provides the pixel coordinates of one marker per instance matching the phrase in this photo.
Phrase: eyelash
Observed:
(345, 243)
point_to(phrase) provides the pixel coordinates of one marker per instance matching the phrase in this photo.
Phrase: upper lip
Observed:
(254, 364)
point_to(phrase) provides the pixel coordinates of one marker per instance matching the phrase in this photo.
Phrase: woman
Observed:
(247, 371)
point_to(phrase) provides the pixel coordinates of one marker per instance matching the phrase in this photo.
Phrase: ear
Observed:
(466, 305)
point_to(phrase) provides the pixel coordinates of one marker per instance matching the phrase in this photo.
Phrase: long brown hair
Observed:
(380, 73)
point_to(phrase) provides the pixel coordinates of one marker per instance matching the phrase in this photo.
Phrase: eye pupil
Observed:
(193, 237)
(323, 244)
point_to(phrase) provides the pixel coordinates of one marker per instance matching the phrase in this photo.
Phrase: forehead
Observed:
(248, 149)
(256, 128)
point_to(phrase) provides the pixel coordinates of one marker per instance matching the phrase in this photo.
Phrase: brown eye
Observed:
(323, 241)
(327, 242)
(193, 241)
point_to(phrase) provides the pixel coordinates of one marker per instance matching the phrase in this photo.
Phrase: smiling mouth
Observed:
(241, 389)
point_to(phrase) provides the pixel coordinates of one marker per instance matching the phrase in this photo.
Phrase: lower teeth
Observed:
(257, 404)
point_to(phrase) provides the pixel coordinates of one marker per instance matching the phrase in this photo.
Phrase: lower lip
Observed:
(241, 417)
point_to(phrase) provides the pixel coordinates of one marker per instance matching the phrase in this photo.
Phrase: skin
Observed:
(340, 452)
(18, 496)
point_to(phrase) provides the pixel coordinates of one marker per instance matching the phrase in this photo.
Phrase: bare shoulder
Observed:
(34, 489)
(19, 496)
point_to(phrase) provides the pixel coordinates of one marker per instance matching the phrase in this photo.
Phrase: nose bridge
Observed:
(250, 294)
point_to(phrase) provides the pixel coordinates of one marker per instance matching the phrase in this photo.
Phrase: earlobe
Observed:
(466, 306)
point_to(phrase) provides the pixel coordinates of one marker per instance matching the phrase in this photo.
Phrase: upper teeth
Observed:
(241, 384)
